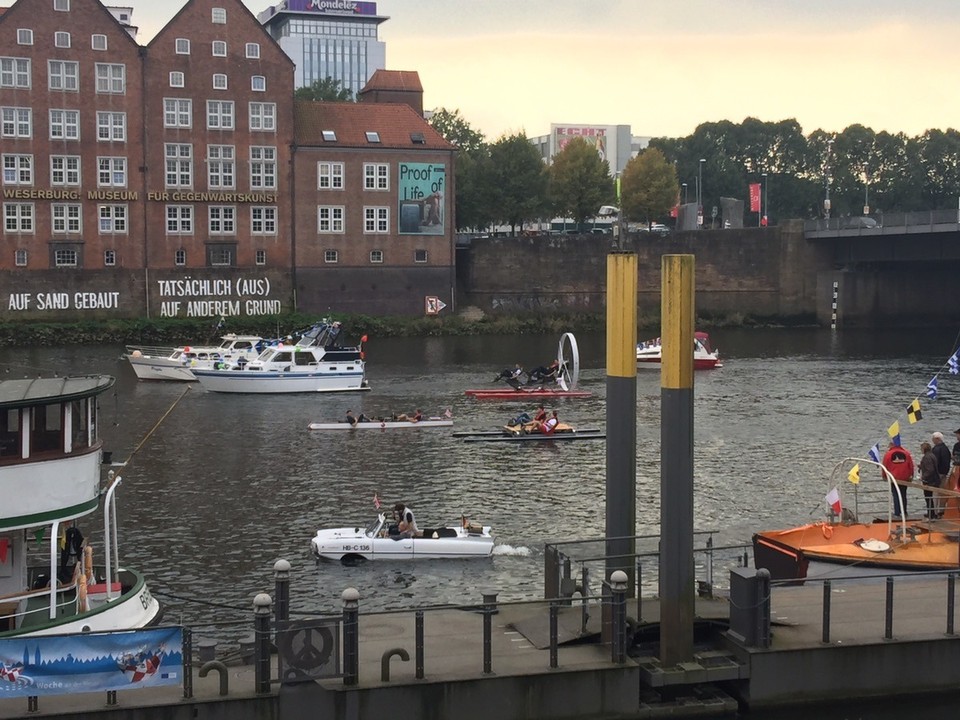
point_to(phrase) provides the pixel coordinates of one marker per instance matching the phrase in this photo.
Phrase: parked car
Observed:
(860, 221)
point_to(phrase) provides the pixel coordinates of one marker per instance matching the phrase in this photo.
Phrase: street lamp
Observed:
(826, 202)
(866, 190)
(763, 200)
(700, 193)
(684, 185)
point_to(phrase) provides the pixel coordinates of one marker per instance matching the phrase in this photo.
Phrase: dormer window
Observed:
(329, 136)
(373, 137)
(219, 16)
(417, 138)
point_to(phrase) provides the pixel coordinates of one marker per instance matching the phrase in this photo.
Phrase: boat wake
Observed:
(520, 551)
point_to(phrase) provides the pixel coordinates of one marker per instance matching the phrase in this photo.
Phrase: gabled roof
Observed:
(397, 125)
(408, 80)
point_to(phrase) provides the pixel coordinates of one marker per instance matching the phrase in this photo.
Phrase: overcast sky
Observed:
(663, 66)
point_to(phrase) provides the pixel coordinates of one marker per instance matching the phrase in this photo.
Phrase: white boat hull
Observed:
(147, 368)
(258, 381)
(381, 425)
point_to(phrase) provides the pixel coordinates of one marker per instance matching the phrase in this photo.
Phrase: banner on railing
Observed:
(90, 662)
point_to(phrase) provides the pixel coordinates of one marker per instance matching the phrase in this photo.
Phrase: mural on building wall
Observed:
(595, 136)
(422, 189)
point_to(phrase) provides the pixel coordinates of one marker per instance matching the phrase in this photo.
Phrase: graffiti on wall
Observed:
(198, 297)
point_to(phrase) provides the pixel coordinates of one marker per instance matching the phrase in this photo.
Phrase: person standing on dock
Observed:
(943, 455)
(899, 463)
(930, 476)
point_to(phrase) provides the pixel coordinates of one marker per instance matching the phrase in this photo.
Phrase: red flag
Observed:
(833, 500)
(376, 501)
(754, 197)
(4, 545)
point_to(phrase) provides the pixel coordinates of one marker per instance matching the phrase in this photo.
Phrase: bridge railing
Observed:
(872, 224)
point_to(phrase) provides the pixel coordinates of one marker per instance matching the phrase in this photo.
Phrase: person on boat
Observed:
(416, 417)
(550, 425)
(899, 463)
(406, 522)
(543, 374)
(533, 425)
(929, 476)
(944, 456)
(361, 418)
(351, 418)
(511, 377)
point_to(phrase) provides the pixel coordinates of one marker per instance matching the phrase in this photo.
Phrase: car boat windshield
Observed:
(374, 527)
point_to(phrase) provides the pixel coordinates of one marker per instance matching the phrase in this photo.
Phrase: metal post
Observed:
(554, 614)
(763, 603)
(261, 630)
(111, 697)
(281, 576)
(33, 703)
(639, 592)
(418, 643)
(489, 609)
(700, 193)
(951, 600)
(351, 636)
(187, 663)
(618, 584)
(888, 625)
(826, 611)
(710, 563)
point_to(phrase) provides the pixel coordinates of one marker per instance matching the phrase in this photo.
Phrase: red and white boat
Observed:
(704, 357)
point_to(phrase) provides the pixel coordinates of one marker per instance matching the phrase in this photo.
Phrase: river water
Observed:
(218, 487)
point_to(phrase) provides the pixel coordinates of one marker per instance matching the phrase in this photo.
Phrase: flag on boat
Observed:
(854, 475)
(874, 453)
(894, 432)
(932, 388)
(954, 363)
(833, 500)
(376, 501)
(913, 411)
(447, 413)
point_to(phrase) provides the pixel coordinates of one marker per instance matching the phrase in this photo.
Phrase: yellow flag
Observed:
(913, 411)
(854, 474)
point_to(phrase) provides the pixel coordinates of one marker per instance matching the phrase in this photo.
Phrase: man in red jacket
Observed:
(899, 463)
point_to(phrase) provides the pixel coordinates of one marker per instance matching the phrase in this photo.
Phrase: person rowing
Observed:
(543, 374)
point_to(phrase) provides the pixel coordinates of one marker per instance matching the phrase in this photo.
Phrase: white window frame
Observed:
(98, 42)
(178, 165)
(263, 167)
(260, 257)
(376, 257)
(220, 256)
(17, 168)
(177, 112)
(179, 219)
(220, 81)
(109, 258)
(20, 257)
(221, 166)
(263, 219)
(181, 46)
(111, 126)
(112, 219)
(61, 5)
(329, 175)
(65, 170)
(222, 219)
(16, 122)
(24, 36)
(111, 78)
(177, 79)
(66, 257)
(66, 218)
(19, 217)
(263, 116)
(220, 115)
(61, 39)
(331, 256)
(111, 171)
(218, 45)
(180, 257)
(14, 72)
(218, 16)
(376, 220)
(258, 83)
(252, 51)
(330, 219)
(376, 176)
(63, 75)
(64, 124)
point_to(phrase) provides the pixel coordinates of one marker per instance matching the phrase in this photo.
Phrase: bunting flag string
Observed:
(913, 411)
(932, 388)
(854, 474)
(894, 432)
(875, 453)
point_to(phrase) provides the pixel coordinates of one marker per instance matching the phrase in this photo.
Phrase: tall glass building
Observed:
(329, 38)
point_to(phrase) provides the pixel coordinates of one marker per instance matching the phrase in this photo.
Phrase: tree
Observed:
(473, 199)
(327, 89)
(648, 187)
(580, 181)
(456, 130)
(517, 181)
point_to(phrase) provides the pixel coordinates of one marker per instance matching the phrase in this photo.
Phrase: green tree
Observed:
(327, 89)
(517, 181)
(648, 187)
(451, 125)
(473, 195)
(580, 181)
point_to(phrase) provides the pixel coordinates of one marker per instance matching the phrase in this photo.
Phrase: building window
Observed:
(263, 116)
(180, 257)
(182, 46)
(176, 79)
(329, 176)
(258, 83)
(179, 165)
(222, 219)
(263, 220)
(220, 166)
(64, 124)
(372, 137)
(109, 258)
(112, 126)
(113, 218)
(98, 42)
(220, 114)
(331, 256)
(20, 258)
(376, 219)
(18, 217)
(65, 258)
(330, 219)
(18, 169)
(64, 169)
(219, 81)
(61, 39)
(263, 167)
(14, 72)
(16, 122)
(329, 135)
(419, 256)
(376, 176)
(111, 78)
(63, 75)
(261, 257)
(180, 219)
(24, 36)
(376, 256)
(219, 48)
(220, 256)
(61, 5)
(253, 50)
(111, 172)
(177, 112)
(66, 218)
(219, 16)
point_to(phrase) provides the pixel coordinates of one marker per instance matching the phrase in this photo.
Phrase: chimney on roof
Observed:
(394, 86)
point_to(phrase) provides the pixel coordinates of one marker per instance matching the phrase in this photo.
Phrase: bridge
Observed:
(892, 237)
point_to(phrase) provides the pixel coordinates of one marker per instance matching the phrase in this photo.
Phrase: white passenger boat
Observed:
(316, 363)
(161, 363)
(374, 542)
(50, 480)
(704, 358)
(382, 425)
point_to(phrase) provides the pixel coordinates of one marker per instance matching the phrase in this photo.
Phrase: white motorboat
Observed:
(315, 363)
(374, 542)
(383, 424)
(162, 363)
(704, 358)
(50, 479)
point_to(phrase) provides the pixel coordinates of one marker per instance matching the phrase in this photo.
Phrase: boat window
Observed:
(303, 358)
(9, 435)
(81, 438)
(45, 428)
(243, 345)
(285, 356)
(373, 528)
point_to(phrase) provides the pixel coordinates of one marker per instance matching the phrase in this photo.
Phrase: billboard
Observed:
(421, 190)
(333, 7)
(596, 136)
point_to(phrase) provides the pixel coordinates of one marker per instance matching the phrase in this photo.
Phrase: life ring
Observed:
(827, 530)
